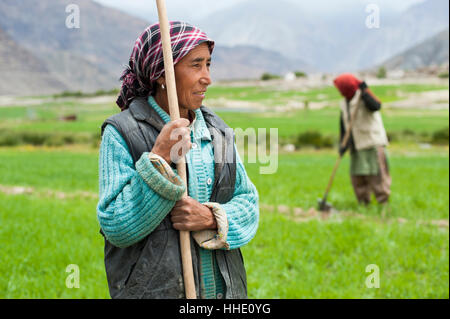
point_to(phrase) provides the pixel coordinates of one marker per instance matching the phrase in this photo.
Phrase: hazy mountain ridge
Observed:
(23, 73)
(93, 56)
(431, 52)
(417, 24)
(328, 43)
(264, 25)
(89, 58)
(39, 54)
(105, 36)
(244, 62)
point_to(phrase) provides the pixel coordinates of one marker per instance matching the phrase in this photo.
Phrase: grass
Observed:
(43, 232)
(285, 260)
(269, 95)
(328, 260)
(419, 189)
(56, 170)
(40, 238)
(327, 121)
(45, 117)
(87, 128)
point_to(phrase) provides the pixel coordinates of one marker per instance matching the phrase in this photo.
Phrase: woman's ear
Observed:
(161, 80)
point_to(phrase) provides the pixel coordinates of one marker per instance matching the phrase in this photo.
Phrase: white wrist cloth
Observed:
(214, 239)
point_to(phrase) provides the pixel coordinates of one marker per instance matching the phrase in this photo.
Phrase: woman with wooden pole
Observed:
(143, 201)
(185, 245)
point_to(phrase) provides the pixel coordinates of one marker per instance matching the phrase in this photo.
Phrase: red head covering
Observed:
(347, 84)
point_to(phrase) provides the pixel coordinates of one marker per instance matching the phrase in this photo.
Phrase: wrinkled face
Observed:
(192, 77)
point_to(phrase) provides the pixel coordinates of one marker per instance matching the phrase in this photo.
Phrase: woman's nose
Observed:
(206, 77)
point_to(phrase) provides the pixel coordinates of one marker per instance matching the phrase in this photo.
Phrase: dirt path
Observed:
(23, 190)
(300, 215)
(296, 214)
(426, 100)
(7, 101)
(430, 100)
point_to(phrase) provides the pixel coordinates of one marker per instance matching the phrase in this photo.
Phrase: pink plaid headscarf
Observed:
(146, 63)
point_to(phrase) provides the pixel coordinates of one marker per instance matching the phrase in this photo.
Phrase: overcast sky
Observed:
(192, 9)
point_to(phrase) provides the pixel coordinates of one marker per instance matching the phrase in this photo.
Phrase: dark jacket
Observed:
(151, 268)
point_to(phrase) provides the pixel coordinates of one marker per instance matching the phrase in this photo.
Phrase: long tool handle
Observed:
(185, 241)
(330, 182)
(344, 142)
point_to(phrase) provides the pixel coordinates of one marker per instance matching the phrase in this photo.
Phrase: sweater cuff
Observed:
(171, 189)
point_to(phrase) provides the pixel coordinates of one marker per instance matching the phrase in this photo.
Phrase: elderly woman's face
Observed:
(192, 77)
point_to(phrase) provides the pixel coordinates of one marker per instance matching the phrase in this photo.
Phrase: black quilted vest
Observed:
(151, 268)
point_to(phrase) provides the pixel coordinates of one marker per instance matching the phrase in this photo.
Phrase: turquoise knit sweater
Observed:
(134, 199)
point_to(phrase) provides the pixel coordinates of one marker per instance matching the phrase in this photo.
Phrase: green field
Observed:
(51, 222)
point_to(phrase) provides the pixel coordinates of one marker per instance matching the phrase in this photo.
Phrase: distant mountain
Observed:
(252, 37)
(402, 32)
(330, 43)
(431, 52)
(93, 56)
(275, 26)
(22, 72)
(89, 58)
(249, 62)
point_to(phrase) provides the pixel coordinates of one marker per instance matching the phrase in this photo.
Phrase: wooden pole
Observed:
(343, 144)
(185, 241)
